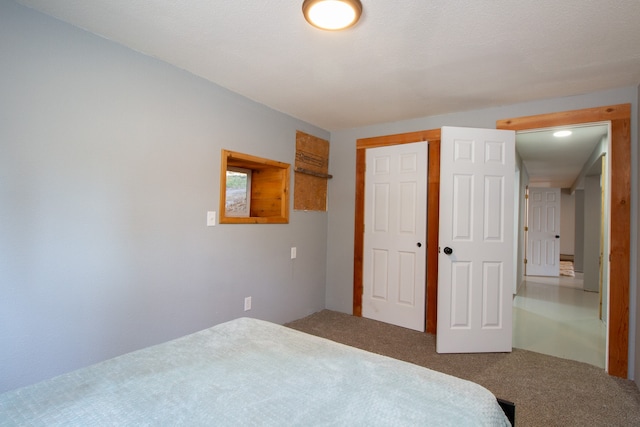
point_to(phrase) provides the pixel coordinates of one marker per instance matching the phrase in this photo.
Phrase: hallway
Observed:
(554, 316)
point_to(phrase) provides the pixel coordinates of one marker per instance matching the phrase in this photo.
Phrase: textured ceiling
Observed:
(403, 60)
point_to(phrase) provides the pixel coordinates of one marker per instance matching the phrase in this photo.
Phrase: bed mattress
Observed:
(251, 372)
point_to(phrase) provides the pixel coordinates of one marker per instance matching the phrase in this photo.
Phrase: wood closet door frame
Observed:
(433, 197)
(620, 118)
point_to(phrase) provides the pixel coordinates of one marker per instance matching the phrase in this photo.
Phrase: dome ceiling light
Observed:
(562, 133)
(332, 15)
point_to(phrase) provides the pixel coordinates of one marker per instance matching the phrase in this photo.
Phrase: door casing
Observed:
(433, 196)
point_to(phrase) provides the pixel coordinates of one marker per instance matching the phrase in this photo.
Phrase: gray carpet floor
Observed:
(547, 391)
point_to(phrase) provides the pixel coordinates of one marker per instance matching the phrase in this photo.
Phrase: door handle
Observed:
(419, 244)
(557, 236)
(448, 250)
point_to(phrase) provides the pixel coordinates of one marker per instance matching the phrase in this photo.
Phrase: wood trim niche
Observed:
(620, 118)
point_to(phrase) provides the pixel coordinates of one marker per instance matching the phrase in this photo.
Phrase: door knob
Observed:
(448, 250)
(557, 236)
(419, 244)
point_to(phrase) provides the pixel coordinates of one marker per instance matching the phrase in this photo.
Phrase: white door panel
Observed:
(543, 255)
(477, 227)
(394, 270)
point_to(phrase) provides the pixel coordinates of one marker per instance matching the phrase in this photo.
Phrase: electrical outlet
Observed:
(247, 304)
(293, 252)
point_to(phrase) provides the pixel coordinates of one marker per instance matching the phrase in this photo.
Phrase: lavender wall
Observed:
(109, 161)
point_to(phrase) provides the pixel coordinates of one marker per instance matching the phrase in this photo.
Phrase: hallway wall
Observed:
(592, 226)
(578, 261)
(567, 223)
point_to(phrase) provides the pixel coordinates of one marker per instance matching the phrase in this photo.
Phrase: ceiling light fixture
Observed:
(332, 15)
(562, 133)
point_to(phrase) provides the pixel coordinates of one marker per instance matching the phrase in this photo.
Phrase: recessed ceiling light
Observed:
(332, 15)
(562, 133)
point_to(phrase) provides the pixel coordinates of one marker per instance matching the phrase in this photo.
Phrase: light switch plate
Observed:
(293, 252)
(211, 218)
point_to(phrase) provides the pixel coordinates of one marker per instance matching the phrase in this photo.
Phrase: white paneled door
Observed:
(543, 235)
(395, 237)
(475, 260)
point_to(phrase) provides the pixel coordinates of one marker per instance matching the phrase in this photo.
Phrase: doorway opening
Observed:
(565, 237)
(619, 117)
(619, 224)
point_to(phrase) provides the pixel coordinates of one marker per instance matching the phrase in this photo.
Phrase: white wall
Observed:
(522, 211)
(109, 161)
(592, 218)
(578, 261)
(567, 223)
(606, 249)
(342, 187)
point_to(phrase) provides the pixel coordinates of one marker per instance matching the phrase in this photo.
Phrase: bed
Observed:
(252, 372)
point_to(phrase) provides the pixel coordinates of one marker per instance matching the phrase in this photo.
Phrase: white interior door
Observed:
(543, 253)
(475, 260)
(394, 264)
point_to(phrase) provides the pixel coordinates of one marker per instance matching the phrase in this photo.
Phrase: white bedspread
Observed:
(250, 372)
